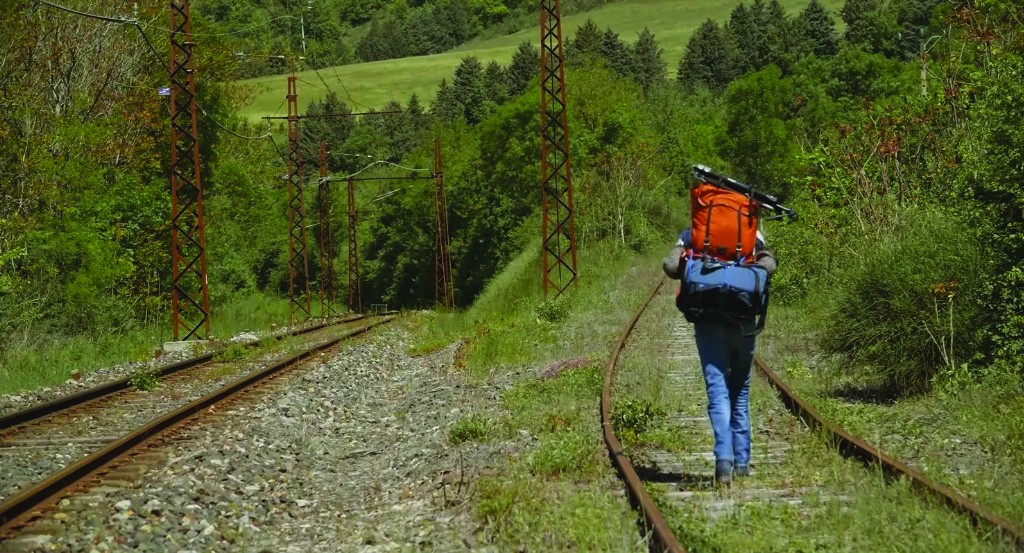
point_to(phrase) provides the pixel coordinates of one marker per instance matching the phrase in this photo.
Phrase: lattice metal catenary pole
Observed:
(190, 298)
(355, 296)
(298, 259)
(326, 238)
(444, 293)
(559, 224)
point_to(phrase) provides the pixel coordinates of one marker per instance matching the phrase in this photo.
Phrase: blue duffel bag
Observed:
(731, 291)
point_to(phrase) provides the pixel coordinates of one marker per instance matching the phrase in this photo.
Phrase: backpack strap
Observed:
(707, 230)
(739, 234)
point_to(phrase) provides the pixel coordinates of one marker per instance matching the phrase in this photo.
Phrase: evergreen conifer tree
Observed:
(859, 16)
(446, 105)
(617, 54)
(743, 32)
(470, 93)
(707, 60)
(586, 44)
(781, 45)
(648, 67)
(525, 67)
(495, 83)
(819, 30)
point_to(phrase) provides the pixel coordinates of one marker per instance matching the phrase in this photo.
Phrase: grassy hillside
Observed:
(374, 84)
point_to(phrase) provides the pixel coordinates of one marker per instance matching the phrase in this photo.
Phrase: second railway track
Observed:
(49, 453)
(796, 483)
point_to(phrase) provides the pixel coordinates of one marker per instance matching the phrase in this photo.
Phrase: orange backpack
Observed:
(724, 223)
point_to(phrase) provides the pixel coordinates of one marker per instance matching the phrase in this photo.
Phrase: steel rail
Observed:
(662, 534)
(845, 443)
(852, 447)
(20, 509)
(57, 405)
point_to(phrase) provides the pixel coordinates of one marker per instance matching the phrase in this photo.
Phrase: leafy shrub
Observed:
(910, 306)
(633, 417)
(474, 428)
(144, 380)
(234, 352)
(553, 311)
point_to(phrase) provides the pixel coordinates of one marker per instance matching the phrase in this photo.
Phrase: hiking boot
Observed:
(723, 473)
(742, 471)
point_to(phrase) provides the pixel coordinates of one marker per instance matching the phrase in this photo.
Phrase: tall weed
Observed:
(910, 306)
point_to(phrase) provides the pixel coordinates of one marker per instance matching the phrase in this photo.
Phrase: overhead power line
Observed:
(106, 18)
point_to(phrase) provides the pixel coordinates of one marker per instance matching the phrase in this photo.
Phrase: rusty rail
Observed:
(22, 508)
(844, 442)
(853, 447)
(62, 403)
(662, 534)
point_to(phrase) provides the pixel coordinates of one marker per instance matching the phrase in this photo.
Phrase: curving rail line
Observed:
(848, 445)
(21, 509)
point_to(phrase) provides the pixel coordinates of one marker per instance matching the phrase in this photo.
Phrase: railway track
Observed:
(681, 477)
(72, 444)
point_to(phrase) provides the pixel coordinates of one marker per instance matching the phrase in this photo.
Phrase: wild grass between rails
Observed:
(843, 506)
(32, 360)
(557, 491)
(371, 85)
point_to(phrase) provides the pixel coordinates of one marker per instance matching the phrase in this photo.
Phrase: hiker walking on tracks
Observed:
(724, 271)
(726, 347)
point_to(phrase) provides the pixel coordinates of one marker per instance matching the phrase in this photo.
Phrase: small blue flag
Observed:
(164, 91)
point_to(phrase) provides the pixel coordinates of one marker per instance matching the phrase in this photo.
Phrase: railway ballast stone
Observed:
(351, 454)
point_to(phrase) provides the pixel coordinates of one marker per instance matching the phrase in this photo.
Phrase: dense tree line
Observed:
(889, 155)
(271, 35)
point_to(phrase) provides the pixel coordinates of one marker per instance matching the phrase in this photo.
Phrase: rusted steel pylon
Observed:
(190, 298)
(559, 226)
(444, 294)
(327, 296)
(355, 295)
(298, 260)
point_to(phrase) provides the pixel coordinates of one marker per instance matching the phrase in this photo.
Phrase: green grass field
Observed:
(371, 85)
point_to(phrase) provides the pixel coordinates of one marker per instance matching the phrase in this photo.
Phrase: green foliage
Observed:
(519, 512)
(586, 45)
(234, 352)
(144, 380)
(758, 142)
(553, 310)
(819, 29)
(648, 66)
(993, 175)
(632, 417)
(709, 60)
(564, 452)
(473, 428)
(470, 90)
(522, 69)
(911, 303)
(618, 56)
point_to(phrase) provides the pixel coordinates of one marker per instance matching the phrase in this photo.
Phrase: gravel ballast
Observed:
(348, 454)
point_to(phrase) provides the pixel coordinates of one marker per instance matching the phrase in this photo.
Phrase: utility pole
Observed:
(298, 260)
(355, 296)
(190, 298)
(326, 238)
(444, 294)
(559, 224)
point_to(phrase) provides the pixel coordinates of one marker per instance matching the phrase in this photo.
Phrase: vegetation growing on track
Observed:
(855, 509)
(555, 492)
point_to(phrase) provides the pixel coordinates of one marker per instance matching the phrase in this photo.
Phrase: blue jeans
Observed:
(726, 356)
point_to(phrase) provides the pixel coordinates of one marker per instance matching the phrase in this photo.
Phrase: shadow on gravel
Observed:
(649, 474)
